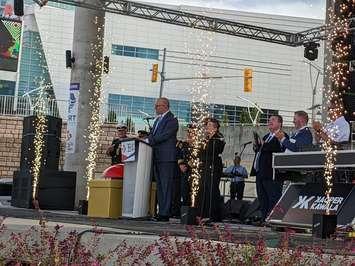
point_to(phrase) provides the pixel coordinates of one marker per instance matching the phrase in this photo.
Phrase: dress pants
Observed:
(164, 173)
(237, 189)
(268, 193)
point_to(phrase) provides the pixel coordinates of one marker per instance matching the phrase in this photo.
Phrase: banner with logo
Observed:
(128, 151)
(301, 201)
(72, 117)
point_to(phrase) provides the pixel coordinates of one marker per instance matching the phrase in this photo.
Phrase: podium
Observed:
(137, 156)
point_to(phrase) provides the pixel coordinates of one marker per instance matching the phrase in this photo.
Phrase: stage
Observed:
(240, 233)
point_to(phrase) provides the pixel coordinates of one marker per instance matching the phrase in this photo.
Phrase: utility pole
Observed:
(88, 33)
(162, 74)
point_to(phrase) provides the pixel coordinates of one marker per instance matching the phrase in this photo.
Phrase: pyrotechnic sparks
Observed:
(200, 110)
(38, 143)
(338, 72)
(94, 129)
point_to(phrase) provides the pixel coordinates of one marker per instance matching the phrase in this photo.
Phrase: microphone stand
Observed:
(211, 177)
(244, 146)
(149, 126)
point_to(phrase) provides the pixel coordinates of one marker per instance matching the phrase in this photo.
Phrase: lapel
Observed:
(161, 123)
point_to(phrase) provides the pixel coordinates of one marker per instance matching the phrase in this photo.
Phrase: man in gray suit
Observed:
(163, 140)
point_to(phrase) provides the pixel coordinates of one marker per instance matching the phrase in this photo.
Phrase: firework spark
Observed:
(94, 129)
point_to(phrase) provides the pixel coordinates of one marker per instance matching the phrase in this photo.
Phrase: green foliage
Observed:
(112, 117)
(245, 118)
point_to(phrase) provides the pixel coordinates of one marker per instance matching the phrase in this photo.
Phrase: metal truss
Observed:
(181, 18)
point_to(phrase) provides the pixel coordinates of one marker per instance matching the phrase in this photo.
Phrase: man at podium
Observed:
(162, 137)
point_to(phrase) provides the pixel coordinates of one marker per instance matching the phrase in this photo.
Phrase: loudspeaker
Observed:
(18, 8)
(53, 125)
(237, 208)
(253, 212)
(50, 152)
(324, 225)
(56, 189)
(349, 105)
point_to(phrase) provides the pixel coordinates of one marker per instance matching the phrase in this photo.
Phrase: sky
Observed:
(298, 8)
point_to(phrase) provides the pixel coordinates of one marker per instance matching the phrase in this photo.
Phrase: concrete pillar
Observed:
(88, 32)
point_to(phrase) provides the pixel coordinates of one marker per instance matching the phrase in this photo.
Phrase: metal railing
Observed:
(25, 106)
(113, 113)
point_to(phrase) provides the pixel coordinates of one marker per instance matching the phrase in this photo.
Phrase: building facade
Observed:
(282, 81)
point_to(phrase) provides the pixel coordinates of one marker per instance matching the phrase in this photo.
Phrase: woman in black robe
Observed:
(211, 171)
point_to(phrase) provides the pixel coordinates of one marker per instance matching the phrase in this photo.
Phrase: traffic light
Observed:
(106, 65)
(248, 80)
(18, 7)
(155, 70)
(69, 60)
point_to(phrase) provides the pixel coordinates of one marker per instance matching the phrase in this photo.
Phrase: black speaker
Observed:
(56, 189)
(18, 7)
(106, 64)
(50, 152)
(324, 225)
(237, 208)
(253, 213)
(53, 125)
(349, 106)
(188, 215)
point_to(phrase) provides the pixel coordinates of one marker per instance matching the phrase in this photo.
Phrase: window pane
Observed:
(141, 55)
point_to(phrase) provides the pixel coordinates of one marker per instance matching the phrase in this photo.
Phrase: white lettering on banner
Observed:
(302, 202)
(319, 203)
(72, 117)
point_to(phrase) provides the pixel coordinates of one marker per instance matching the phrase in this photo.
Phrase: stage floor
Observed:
(241, 233)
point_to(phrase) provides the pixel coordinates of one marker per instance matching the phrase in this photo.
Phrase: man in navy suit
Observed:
(268, 190)
(302, 135)
(163, 140)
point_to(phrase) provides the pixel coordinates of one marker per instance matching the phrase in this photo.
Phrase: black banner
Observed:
(301, 201)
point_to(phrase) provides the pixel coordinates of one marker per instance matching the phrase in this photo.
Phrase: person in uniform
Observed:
(115, 149)
(210, 200)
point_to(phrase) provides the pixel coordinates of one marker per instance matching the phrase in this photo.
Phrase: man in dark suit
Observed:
(268, 190)
(163, 140)
(302, 135)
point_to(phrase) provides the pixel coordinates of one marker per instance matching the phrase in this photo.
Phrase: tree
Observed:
(112, 117)
(246, 118)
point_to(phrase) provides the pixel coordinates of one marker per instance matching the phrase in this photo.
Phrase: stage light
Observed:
(311, 50)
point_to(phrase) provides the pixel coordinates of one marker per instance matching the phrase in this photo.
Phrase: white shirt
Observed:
(338, 130)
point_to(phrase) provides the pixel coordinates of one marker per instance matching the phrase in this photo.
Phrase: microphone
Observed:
(247, 143)
(149, 118)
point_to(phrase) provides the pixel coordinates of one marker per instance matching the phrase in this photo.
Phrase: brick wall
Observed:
(10, 145)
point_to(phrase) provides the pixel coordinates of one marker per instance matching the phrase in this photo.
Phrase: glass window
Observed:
(132, 51)
(129, 51)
